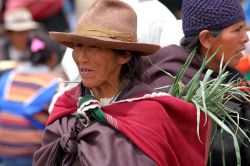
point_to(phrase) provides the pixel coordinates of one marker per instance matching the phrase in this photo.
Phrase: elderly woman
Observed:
(112, 117)
(207, 26)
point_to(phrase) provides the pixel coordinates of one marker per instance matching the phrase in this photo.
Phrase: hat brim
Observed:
(68, 39)
(26, 26)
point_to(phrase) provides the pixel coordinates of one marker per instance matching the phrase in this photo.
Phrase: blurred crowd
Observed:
(30, 73)
(33, 68)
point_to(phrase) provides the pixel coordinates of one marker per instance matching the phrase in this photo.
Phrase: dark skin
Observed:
(100, 69)
(231, 42)
(18, 39)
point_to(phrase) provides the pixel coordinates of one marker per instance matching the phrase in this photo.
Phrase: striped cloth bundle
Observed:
(24, 99)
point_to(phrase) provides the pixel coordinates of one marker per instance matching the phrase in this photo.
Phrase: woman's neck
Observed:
(110, 90)
(214, 67)
(213, 64)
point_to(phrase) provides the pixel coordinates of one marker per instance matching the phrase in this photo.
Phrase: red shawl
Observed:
(162, 126)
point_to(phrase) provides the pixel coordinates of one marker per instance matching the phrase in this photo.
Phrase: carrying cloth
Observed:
(157, 123)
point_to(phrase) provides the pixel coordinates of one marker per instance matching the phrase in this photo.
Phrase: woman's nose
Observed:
(82, 56)
(245, 37)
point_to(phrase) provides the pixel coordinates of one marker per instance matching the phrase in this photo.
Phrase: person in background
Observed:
(25, 95)
(18, 24)
(49, 13)
(2, 34)
(207, 26)
(2, 9)
(174, 6)
(112, 117)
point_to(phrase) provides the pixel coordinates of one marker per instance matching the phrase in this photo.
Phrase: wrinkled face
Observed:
(98, 67)
(231, 42)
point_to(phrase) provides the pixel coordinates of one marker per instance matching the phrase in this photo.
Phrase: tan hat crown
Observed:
(109, 24)
(114, 20)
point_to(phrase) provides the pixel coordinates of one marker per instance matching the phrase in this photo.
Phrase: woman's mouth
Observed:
(86, 73)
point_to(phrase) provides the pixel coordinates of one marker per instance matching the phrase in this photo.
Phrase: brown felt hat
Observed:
(109, 24)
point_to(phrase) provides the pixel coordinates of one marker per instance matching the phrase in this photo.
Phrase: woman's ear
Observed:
(205, 39)
(125, 58)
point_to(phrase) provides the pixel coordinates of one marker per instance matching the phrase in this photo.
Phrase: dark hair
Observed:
(193, 42)
(133, 70)
(43, 54)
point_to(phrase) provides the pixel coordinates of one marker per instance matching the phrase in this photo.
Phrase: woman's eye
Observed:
(93, 47)
(78, 45)
(238, 29)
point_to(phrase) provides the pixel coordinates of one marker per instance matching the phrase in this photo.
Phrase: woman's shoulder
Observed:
(171, 50)
(161, 98)
(135, 88)
(166, 58)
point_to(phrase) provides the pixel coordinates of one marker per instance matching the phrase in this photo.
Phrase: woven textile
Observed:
(23, 101)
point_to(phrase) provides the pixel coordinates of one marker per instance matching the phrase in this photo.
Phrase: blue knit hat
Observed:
(199, 15)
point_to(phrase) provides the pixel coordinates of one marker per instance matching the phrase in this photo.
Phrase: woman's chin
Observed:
(88, 85)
